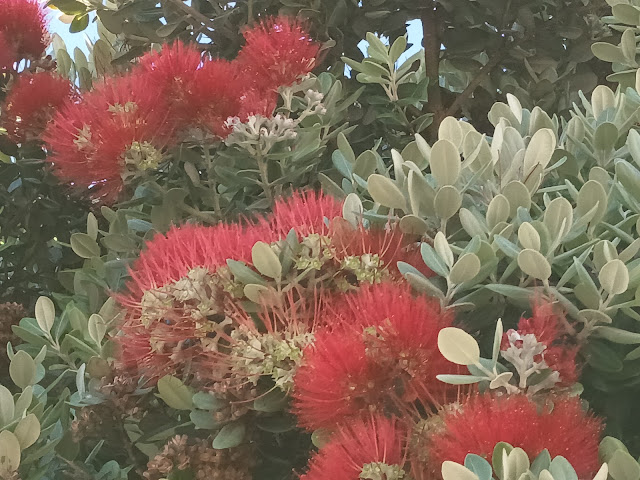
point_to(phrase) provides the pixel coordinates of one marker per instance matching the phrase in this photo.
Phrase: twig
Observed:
(477, 80)
(203, 19)
(431, 43)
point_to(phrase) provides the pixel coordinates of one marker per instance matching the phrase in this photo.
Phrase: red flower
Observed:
(256, 102)
(32, 102)
(564, 429)
(361, 447)
(380, 352)
(169, 258)
(7, 53)
(277, 52)
(388, 243)
(201, 93)
(24, 29)
(307, 212)
(547, 326)
(219, 95)
(119, 130)
(174, 301)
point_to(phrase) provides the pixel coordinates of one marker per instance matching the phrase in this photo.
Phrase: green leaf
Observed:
(22, 369)
(533, 263)
(500, 451)
(614, 277)
(175, 393)
(45, 313)
(455, 471)
(460, 379)
(458, 346)
(398, 48)
(27, 431)
(447, 202)
(518, 294)
(433, 260)
(243, 274)
(445, 163)
(385, 192)
(617, 335)
(602, 357)
(97, 328)
(84, 246)
(79, 23)
(273, 401)
(479, 466)
(560, 468)
(231, 435)
(10, 458)
(276, 423)
(266, 261)
(608, 52)
(68, 7)
(203, 419)
(465, 269)
(7, 406)
(206, 401)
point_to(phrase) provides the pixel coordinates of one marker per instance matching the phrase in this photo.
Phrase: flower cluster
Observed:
(305, 305)
(378, 353)
(31, 103)
(128, 124)
(23, 32)
(185, 300)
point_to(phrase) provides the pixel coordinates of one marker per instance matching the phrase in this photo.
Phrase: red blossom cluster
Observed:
(379, 352)
(128, 123)
(375, 442)
(23, 32)
(561, 426)
(167, 261)
(31, 102)
(409, 450)
(32, 98)
(367, 357)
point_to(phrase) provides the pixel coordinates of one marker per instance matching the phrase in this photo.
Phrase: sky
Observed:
(73, 40)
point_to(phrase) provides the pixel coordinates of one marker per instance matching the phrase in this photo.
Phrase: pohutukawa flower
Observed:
(32, 102)
(24, 29)
(7, 53)
(366, 252)
(118, 131)
(176, 302)
(372, 449)
(277, 52)
(219, 97)
(378, 353)
(168, 258)
(305, 211)
(562, 427)
(202, 93)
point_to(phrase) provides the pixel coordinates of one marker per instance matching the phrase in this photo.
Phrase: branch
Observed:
(431, 43)
(195, 14)
(475, 82)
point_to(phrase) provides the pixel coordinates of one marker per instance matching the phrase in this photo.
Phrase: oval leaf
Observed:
(230, 436)
(458, 346)
(45, 313)
(175, 393)
(534, 264)
(385, 192)
(266, 260)
(614, 277)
